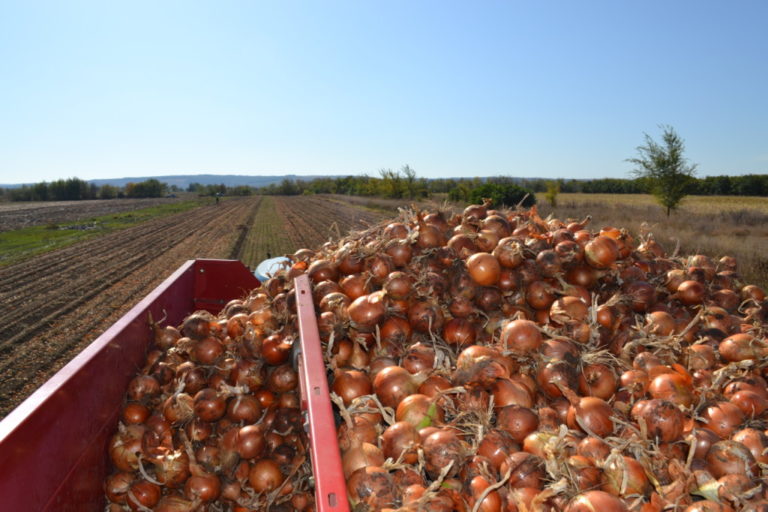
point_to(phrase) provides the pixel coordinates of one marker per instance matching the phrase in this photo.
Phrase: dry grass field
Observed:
(711, 225)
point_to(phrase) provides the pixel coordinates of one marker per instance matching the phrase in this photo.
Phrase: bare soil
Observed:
(54, 305)
(18, 215)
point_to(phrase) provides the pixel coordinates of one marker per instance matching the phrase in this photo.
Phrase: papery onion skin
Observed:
(596, 501)
(730, 457)
(265, 475)
(393, 384)
(521, 336)
(484, 268)
(662, 418)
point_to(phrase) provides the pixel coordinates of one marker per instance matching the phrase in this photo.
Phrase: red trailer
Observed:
(53, 447)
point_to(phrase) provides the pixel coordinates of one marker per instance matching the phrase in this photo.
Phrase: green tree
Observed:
(553, 189)
(108, 192)
(666, 170)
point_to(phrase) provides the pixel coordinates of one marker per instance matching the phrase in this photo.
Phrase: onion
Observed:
(460, 332)
(400, 441)
(208, 405)
(525, 470)
(479, 365)
(361, 456)
(250, 441)
(517, 420)
(624, 476)
(750, 403)
(371, 488)
(425, 316)
(207, 350)
(690, 293)
(601, 252)
(118, 485)
(521, 336)
(143, 495)
(548, 263)
(143, 387)
(400, 252)
(322, 270)
(265, 475)
(350, 384)
(742, 347)
(596, 501)
(673, 387)
(197, 325)
(597, 379)
(441, 448)
(592, 415)
(539, 295)
(731, 457)
(568, 310)
(484, 268)
(511, 392)
(204, 487)
(722, 418)
(663, 419)
(394, 383)
(756, 441)
(489, 500)
(509, 252)
(366, 311)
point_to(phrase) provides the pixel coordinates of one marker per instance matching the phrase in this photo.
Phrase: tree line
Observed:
(364, 185)
(396, 184)
(75, 189)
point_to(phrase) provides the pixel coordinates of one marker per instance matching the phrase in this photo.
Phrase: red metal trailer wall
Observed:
(53, 447)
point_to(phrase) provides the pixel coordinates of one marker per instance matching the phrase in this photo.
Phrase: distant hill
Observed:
(184, 180)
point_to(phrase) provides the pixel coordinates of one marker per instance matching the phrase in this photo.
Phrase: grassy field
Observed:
(21, 244)
(711, 225)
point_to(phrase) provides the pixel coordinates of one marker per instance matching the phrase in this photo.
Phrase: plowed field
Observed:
(22, 215)
(55, 304)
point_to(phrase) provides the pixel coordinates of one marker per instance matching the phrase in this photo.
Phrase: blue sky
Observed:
(538, 89)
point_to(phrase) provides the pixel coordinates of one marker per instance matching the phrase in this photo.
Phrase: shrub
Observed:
(502, 194)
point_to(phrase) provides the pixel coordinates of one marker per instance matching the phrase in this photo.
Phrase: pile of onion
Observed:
(492, 360)
(497, 361)
(212, 422)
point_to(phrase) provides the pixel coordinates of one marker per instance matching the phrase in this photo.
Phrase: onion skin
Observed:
(731, 457)
(441, 448)
(521, 336)
(350, 384)
(624, 476)
(367, 311)
(371, 488)
(401, 439)
(591, 414)
(393, 384)
(518, 421)
(143, 493)
(742, 347)
(596, 501)
(663, 419)
(484, 268)
(265, 475)
(492, 500)
(601, 252)
(756, 441)
(722, 418)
